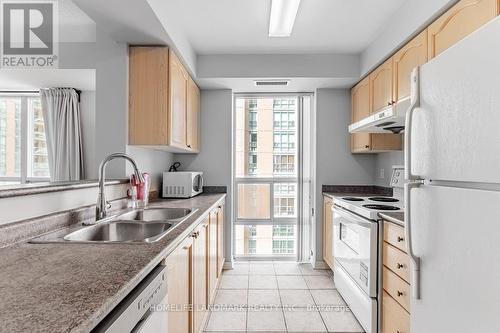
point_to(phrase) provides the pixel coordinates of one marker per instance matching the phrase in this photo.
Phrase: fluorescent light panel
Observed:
(283, 13)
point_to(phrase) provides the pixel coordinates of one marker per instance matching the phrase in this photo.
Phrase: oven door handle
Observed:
(361, 221)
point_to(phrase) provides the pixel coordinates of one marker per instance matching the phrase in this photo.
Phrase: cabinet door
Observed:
(405, 60)
(213, 271)
(394, 317)
(458, 22)
(360, 100)
(220, 239)
(178, 102)
(328, 231)
(179, 265)
(200, 261)
(148, 95)
(381, 87)
(193, 116)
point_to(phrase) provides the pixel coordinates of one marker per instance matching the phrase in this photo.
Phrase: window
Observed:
(265, 176)
(23, 147)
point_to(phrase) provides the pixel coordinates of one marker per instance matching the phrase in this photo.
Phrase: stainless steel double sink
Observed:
(137, 226)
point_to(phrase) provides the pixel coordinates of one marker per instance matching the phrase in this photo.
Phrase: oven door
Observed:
(355, 248)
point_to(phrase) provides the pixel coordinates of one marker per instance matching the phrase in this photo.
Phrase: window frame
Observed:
(25, 138)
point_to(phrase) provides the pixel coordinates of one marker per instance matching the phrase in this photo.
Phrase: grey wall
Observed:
(386, 161)
(334, 162)
(215, 156)
(87, 113)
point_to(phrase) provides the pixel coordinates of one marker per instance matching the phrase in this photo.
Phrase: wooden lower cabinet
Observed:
(395, 280)
(328, 231)
(179, 275)
(220, 239)
(193, 275)
(200, 273)
(213, 272)
(394, 318)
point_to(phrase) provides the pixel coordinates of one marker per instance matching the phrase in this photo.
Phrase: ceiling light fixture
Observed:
(283, 13)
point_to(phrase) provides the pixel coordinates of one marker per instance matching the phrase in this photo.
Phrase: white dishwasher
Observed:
(144, 310)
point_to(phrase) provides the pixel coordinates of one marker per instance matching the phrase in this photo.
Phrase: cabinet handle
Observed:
(189, 146)
(399, 266)
(389, 103)
(400, 293)
(400, 239)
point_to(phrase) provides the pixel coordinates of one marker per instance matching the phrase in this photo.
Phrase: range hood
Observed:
(389, 120)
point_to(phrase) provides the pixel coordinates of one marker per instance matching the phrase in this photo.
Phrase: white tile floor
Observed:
(279, 297)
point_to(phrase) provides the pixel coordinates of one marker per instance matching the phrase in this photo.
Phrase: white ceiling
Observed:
(241, 26)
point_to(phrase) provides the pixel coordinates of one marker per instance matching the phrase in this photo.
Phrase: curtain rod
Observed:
(78, 91)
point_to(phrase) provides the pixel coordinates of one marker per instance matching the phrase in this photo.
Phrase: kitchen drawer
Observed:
(398, 288)
(394, 318)
(395, 235)
(397, 261)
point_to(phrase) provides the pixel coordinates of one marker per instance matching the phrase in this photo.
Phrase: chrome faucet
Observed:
(102, 205)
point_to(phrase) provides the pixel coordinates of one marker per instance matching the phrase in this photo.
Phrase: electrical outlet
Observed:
(382, 174)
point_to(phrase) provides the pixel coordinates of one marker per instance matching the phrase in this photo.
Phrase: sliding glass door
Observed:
(266, 176)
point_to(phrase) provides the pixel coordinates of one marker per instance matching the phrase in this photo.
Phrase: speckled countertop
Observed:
(394, 217)
(72, 287)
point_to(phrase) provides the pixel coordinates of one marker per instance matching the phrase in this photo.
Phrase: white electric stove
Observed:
(357, 236)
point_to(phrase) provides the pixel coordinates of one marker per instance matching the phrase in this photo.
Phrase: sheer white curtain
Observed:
(61, 114)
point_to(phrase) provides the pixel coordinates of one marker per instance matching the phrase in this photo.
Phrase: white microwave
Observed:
(185, 184)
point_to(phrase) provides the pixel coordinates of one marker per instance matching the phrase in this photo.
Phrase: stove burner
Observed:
(381, 207)
(383, 199)
(353, 199)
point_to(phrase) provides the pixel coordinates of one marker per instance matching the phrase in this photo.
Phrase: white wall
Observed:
(215, 156)
(404, 24)
(335, 165)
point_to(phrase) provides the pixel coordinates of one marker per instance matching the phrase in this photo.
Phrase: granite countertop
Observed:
(394, 217)
(72, 287)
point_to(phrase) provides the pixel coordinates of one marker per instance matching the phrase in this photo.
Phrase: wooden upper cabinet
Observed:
(178, 82)
(164, 101)
(381, 87)
(148, 95)
(360, 99)
(405, 60)
(458, 22)
(360, 96)
(193, 116)
(361, 108)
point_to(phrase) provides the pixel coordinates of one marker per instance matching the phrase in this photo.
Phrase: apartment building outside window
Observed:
(23, 147)
(266, 135)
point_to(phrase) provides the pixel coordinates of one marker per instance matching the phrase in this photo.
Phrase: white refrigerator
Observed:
(452, 159)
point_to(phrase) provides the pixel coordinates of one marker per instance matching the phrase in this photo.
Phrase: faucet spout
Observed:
(102, 205)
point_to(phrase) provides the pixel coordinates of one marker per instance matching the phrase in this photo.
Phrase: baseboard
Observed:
(320, 265)
(227, 264)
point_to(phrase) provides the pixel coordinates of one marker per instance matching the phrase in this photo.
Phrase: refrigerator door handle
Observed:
(415, 267)
(415, 103)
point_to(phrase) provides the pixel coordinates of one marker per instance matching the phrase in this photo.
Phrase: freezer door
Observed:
(456, 130)
(456, 233)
